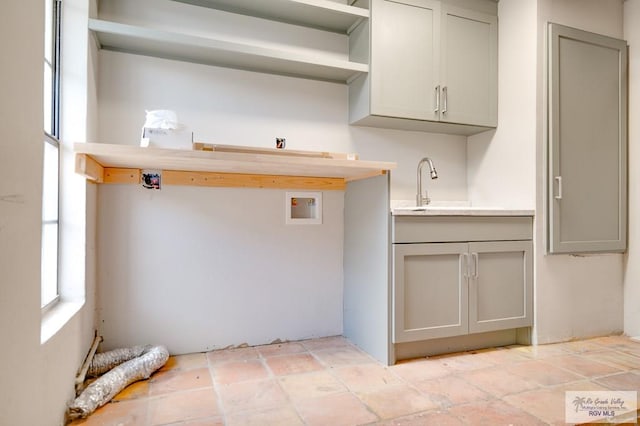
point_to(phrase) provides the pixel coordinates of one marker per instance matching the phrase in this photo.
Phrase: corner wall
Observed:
(37, 380)
(632, 258)
(510, 149)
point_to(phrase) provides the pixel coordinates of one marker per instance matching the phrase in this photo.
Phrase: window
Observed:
(50, 174)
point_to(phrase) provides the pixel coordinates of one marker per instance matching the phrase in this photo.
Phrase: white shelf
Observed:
(321, 14)
(170, 45)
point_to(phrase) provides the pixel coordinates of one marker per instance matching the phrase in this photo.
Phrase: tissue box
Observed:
(181, 138)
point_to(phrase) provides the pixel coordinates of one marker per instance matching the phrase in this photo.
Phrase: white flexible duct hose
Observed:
(109, 385)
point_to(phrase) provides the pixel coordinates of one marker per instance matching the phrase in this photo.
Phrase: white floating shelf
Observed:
(170, 45)
(321, 14)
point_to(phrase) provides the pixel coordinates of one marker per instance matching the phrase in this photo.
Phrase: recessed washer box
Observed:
(303, 208)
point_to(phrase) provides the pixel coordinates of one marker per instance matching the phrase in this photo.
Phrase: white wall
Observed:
(509, 151)
(20, 212)
(36, 379)
(244, 277)
(576, 296)
(632, 259)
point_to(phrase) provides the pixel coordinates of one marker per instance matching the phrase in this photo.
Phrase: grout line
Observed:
(216, 389)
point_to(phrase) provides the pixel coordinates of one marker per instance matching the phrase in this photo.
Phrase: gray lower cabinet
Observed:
(430, 291)
(500, 285)
(587, 142)
(452, 289)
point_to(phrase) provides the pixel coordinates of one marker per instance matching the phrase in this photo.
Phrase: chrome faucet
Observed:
(423, 200)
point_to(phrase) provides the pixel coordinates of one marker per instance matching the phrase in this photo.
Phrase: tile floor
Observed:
(329, 382)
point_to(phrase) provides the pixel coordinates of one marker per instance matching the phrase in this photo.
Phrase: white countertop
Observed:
(453, 208)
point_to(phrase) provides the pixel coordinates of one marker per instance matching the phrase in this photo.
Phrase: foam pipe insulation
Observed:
(124, 366)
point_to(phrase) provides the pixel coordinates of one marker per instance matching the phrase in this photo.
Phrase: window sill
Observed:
(56, 317)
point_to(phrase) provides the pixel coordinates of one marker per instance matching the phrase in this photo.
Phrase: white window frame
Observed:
(51, 266)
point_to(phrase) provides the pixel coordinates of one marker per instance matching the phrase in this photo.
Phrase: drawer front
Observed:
(438, 229)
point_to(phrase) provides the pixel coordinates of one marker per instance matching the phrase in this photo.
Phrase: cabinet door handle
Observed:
(476, 269)
(437, 95)
(464, 264)
(444, 99)
(559, 180)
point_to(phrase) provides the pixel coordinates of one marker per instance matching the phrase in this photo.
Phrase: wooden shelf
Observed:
(107, 163)
(320, 14)
(170, 45)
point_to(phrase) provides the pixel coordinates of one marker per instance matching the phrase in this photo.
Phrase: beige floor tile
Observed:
(341, 356)
(396, 401)
(464, 361)
(366, 377)
(239, 371)
(545, 404)
(311, 385)
(623, 381)
(497, 381)
(280, 416)
(583, 365)
(183, 406)
(542, 373)
(133, 391)
(582, 346)
(185, 362)
(622, 360)
(494, 413)
(632, 350)
(420, 369)
(211, 421)
(251, 395)
(501, 356)
(342, 409)
(436, 418)
(326, 343)
(281, 349)
(451, 390)
(540, 351)
(585, 385)
(177, 380)
(237, 354)
(285, 365)
(615, 342)
(125, 413)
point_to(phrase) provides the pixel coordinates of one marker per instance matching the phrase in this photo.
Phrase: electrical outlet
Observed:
(151, 179)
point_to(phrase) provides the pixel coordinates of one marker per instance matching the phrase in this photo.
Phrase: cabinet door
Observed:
(500, 285)
(430, 291)
(469, 67)
(587, 142)
(404, 58)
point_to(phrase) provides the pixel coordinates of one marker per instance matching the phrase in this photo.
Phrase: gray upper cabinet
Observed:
(587, 131)
(406, 34)
(469, 67)
(433, 67)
